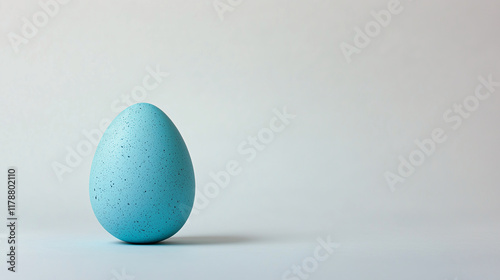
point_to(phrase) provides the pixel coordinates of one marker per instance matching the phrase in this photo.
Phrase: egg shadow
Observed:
(207, 240)
(199, 240)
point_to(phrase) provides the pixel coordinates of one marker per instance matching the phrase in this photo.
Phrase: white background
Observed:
(322, 176)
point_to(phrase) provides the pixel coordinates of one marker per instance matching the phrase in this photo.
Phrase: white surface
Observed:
(323, 175)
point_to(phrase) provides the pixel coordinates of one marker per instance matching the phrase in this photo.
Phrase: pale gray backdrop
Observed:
(231, 63)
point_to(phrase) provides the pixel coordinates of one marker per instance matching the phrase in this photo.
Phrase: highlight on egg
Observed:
(142, 183)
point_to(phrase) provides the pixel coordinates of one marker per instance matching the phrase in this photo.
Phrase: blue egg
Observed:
(142, 181)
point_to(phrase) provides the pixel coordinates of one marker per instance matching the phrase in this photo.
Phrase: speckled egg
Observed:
(142, 181)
